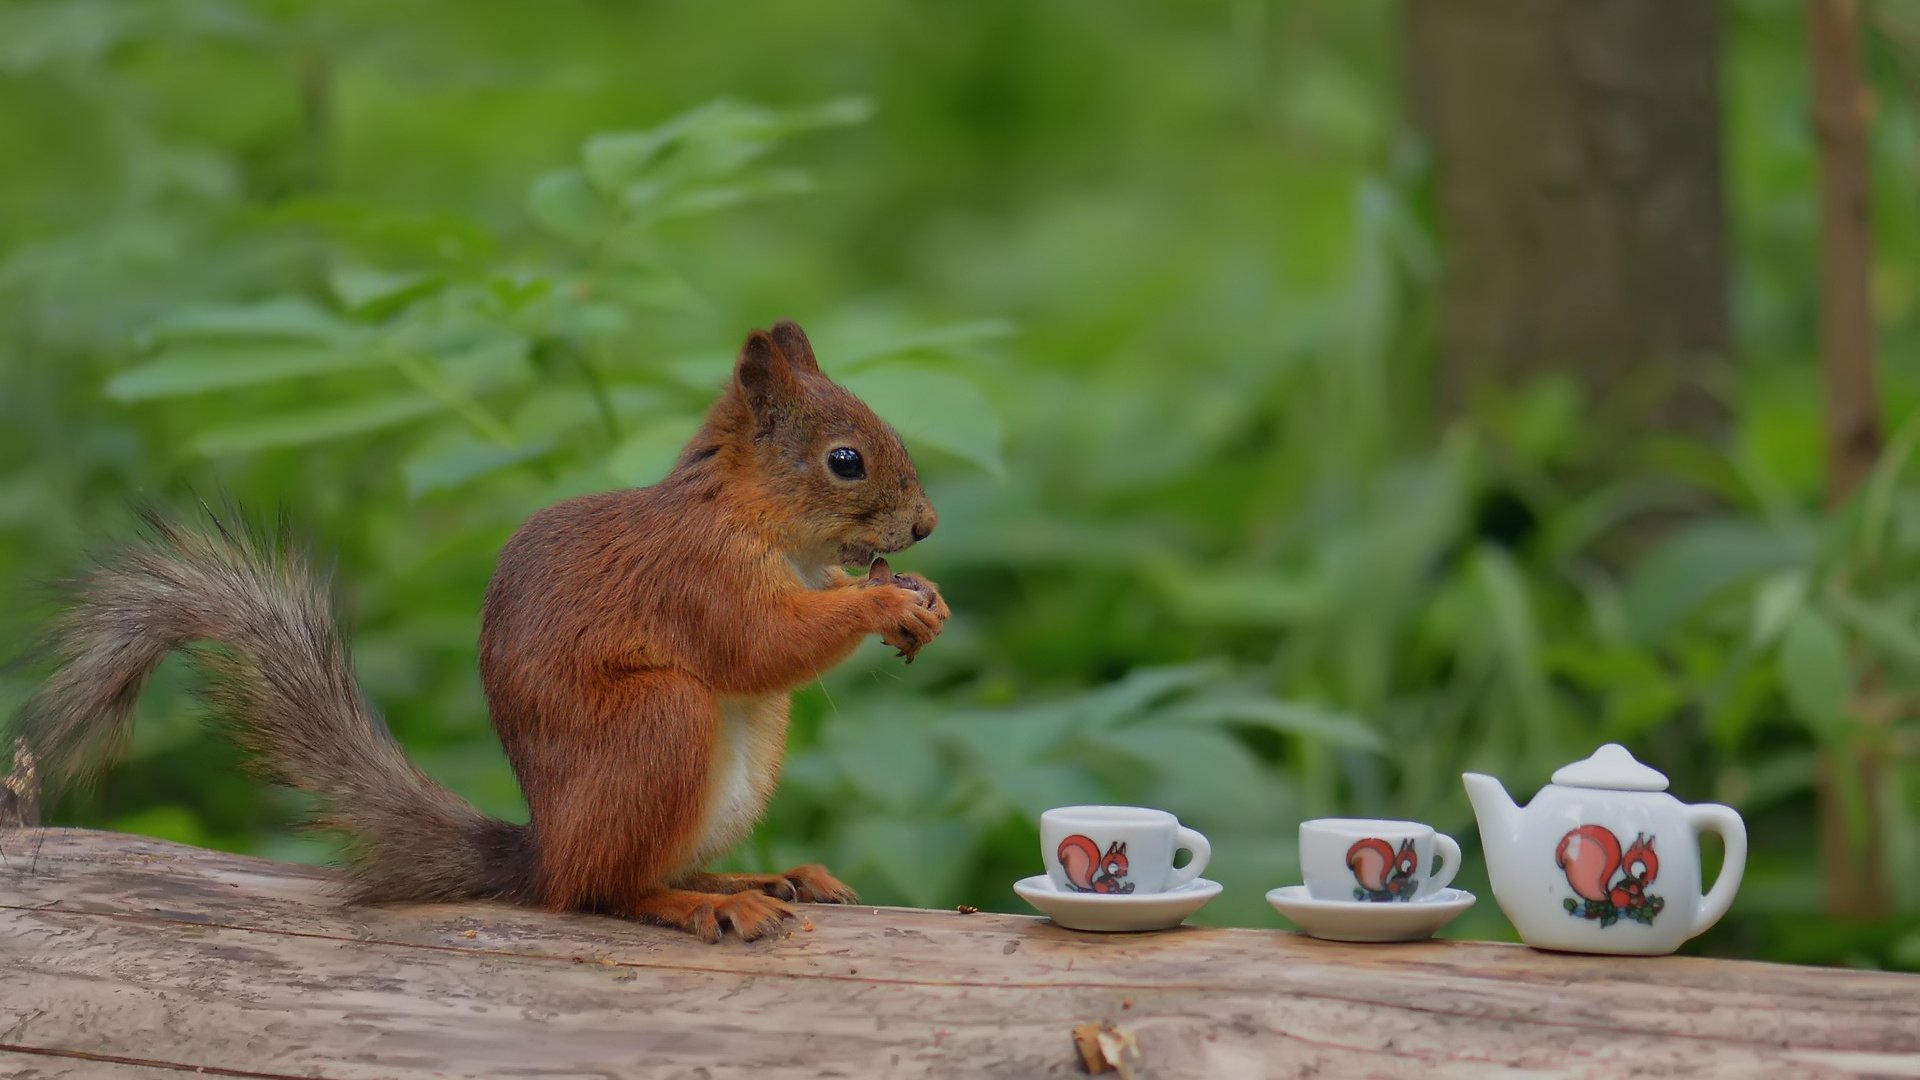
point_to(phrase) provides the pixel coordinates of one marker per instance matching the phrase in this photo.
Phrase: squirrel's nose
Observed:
(924, 527)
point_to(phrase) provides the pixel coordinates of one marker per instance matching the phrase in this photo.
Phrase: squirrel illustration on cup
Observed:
(1088, 870)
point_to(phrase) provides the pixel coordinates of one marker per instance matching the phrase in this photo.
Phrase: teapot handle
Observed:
(1712, 817)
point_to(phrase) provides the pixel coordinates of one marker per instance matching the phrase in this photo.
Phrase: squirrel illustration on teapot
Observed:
(1590, 856)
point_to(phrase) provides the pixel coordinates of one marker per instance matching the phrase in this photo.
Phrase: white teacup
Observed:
(1115, 850)
(1375, 859)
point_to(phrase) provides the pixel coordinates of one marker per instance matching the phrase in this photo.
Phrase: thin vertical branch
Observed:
(1852, 863)
(312, 70)
(313, 74)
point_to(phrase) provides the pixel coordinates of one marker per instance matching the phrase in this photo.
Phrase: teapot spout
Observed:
(1498, 815)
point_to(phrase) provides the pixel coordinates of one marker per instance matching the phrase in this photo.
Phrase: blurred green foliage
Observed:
(1147, 288)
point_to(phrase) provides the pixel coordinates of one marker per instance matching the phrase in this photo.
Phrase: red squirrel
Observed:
(1383, 874)
(637, 648)
(1089, 871)
(1591, 856)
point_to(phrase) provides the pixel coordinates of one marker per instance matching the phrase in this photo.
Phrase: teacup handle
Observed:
(1449, 852)
(1202, 851)
(1712, 817)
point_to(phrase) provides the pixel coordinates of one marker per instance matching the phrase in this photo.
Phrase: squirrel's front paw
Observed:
(905, 621)
(811, 884)
(910, 631)
(928, 592)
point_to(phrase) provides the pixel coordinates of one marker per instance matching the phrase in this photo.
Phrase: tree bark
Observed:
(1578, 164)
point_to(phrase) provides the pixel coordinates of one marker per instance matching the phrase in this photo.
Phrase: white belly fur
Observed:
(746, 763)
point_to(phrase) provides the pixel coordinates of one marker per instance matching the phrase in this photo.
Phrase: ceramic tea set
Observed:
(1602, 860)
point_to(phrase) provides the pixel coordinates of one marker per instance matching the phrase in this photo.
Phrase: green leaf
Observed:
(1877, 497)
(1311, 722)
(564, 409)
(834, 112)
(1777, 600)
(1813, 672)
(1515, 632)
(928, 862)
(710, 141)
(650, 287)
(713, 140)
(646, 456)
(892, 762)
(614, 159)
(1699, 563)
(851, 355)
(566, 204)
(1230, 597)
(284, 318)
(709, 199)
(177, 823)
(308, 426)
(1005, 739)
(1139, 689)
(1206, 773)
(378, 293)
(485, 365)
(1030, 789)
(934, 408)
(189, 369)
(425, 236)
(1761, 784)
(454, 457)
(1889, 628)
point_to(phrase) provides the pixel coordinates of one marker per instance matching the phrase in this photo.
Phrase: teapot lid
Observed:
(1611, 767)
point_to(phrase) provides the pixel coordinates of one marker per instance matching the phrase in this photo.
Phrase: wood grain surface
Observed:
(123, 956)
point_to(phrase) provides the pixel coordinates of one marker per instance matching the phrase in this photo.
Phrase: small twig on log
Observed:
(1105, 1048)
(20, 790)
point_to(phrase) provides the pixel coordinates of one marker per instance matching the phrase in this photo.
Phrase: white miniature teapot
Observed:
(1603, 860)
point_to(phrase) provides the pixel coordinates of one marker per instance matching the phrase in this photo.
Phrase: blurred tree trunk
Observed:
(1840, 107)
(1577, 148)
(1853, 861)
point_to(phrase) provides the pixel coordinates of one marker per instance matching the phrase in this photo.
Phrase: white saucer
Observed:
(1362, 920)
(1109, 912)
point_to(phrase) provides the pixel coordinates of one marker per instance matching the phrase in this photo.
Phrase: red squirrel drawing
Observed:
(1384, 874)
(1089, 871)
(1591, 857)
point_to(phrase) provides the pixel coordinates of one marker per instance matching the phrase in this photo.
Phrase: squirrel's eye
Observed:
(845, 463)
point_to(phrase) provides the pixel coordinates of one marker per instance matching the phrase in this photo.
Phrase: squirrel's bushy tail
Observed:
(280, 683)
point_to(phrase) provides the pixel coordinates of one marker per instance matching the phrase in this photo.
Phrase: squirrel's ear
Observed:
(793, 342)
(766, 380)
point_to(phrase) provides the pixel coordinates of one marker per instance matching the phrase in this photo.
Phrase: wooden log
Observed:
(121, 955)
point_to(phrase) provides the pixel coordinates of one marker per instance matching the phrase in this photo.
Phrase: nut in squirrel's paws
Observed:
(750, 915)
(919, 624)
